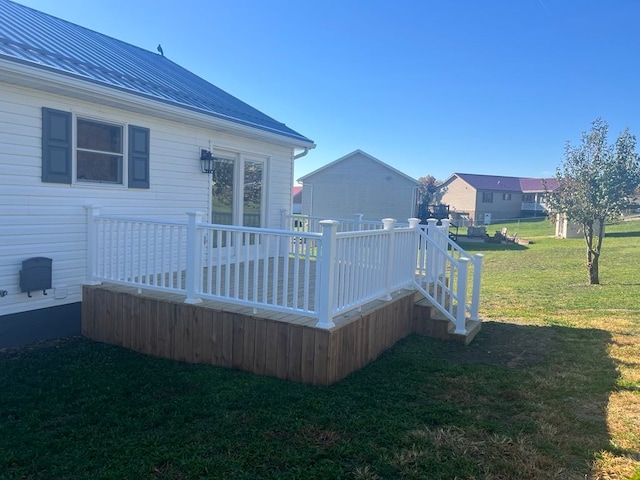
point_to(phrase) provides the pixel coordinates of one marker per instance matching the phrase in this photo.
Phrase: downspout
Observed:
(301, 154)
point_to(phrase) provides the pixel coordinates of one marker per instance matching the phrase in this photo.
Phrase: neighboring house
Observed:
(359, 184)
(483, 199)
(297, 199)
(88, 119)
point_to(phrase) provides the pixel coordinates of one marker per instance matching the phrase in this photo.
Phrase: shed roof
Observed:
(42, 41)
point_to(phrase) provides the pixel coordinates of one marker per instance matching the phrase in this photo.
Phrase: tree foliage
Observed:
(430, 192)
(596, 182)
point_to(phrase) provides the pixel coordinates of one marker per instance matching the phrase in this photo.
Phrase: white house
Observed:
(86, 119)
(359, 184)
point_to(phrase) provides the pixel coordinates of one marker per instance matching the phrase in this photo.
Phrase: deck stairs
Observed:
(430, 322)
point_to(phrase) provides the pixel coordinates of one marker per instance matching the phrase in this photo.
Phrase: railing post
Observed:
(92, 243)
(477, 281)
(432, 270)
(445, 226)
(193, 254)
(325, 278)
(413, 261)
(461, 294)
(389, 226)
(357, 226)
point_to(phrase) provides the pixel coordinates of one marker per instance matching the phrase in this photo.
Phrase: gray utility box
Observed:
(35, 275)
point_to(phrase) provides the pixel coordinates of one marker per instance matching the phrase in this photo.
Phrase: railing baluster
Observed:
(265, 268)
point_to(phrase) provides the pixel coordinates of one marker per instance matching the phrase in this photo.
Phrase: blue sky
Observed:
(429, 87)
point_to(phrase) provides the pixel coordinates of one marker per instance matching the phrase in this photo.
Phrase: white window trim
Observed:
(75, 116)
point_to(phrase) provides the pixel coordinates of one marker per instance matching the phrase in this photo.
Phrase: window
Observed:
(487, 197)
(528, 197)
(506, 196)
(100, 154)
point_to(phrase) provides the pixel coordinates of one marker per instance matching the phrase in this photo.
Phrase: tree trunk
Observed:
(593, 239)
(593, 270)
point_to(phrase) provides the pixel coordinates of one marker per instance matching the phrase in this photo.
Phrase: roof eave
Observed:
(67, 84)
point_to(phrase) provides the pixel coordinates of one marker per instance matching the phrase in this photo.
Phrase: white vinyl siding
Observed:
(49, 220)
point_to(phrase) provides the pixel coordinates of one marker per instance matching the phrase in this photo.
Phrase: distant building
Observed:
(482, 199)
(297, 200)
(359, 183)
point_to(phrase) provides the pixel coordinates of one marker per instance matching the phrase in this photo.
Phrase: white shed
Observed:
(565, 228)
(359, 183)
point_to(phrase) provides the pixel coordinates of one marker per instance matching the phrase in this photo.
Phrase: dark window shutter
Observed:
(56, 146)
(138, 157)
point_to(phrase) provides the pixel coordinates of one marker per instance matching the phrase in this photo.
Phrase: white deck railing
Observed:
(308, 223)
(446, 274)
(320, 274)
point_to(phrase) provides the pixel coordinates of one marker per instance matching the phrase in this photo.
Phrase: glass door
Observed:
(252, 200)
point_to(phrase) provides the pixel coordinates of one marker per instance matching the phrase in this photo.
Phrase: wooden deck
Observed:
(263, 342)
(287, 348)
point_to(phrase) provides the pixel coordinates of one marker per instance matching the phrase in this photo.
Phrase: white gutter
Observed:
(301, 154)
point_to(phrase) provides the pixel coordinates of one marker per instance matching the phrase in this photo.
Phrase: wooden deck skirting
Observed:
(289, 347)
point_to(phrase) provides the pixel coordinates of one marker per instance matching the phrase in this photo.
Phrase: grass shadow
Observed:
(520, 402)
(490, 247)
(623, 234)
(515, 382)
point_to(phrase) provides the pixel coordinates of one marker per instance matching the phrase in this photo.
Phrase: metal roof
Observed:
(538, 184)
(491, 182)
(34, 38)
(505, 184)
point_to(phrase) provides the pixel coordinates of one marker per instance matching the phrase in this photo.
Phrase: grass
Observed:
(550, 388)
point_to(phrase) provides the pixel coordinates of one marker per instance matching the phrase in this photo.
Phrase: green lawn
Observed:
(550, 388)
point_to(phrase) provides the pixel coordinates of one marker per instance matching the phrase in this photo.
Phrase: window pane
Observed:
(252, 199)
(99, 167)
(99, 136)
(222, 191)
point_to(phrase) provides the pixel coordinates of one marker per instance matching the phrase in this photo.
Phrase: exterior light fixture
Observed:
(206, 160)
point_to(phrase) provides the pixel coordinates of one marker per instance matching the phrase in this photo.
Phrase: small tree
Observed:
(595, 183)
(430, 193)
